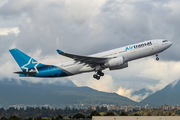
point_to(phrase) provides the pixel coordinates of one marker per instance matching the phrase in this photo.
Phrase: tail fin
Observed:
(25, 62)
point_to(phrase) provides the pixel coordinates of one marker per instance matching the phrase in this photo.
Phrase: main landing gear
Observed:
(157, 58)
(98, 75)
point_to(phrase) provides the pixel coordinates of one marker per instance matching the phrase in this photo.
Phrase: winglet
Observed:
(59, 51)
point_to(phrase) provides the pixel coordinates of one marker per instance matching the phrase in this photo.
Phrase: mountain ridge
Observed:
(27, 93)
(142, 92)
(168, 95)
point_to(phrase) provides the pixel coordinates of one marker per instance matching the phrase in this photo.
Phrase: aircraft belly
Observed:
(144, 52)
(74, 69)
(86, 69)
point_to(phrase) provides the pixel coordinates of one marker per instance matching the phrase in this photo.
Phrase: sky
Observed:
(86, 27)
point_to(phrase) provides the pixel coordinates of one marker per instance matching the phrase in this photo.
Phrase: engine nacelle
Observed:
(115, 62)
(125, 65)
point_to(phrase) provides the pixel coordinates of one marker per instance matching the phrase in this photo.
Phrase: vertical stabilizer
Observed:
(25, 62)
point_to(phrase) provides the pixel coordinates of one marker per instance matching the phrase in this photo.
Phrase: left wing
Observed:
(92, 61)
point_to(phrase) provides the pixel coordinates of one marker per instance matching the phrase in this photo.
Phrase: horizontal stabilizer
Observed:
(26, 73)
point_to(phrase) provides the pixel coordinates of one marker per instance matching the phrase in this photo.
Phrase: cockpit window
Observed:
(165, 40)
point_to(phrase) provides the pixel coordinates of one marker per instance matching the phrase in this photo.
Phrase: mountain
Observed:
(169, 95)
(23, 93)
(142, 92)
(65, 82)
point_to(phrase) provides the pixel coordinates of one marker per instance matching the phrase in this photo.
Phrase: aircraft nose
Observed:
(170, 43)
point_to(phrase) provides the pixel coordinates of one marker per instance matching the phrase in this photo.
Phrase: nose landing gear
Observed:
(157, 58)
(98, 75)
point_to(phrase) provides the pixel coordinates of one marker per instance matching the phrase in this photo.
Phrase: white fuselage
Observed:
(129, 53)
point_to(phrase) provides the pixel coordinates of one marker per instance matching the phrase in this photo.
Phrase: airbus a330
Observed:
(113, 59)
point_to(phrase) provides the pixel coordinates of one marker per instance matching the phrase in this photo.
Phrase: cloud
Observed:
(128, 93)
(125, 92)
(6, 31)
(106, 83)
(81, 11)
(4, 70)
(164, 71)
(138, 98)
(2, 2)
(107, 24)
(38, 28)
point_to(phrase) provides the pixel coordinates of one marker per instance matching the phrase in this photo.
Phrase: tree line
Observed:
(43, 113)
(75, 116)
(46, 112)
(157, 112)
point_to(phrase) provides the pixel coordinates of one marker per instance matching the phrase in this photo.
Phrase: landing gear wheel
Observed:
(157, 58)
(94, 76)
(98, 77)
(100, 73)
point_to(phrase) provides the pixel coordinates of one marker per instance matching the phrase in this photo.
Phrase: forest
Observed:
(46, 113)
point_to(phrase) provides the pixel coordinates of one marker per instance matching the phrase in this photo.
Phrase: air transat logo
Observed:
(31, 65)
(138, 46)
(129, 48)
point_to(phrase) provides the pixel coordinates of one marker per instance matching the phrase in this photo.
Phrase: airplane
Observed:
(113, 59)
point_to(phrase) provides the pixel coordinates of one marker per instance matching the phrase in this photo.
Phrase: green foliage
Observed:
(157, 112)
(38, 118)
(69, 117)
(3, 118)
(47, 114)
(102, 113)
(122, 113)
(59, 117)
(175, 112)
(135, 114)
(110, 114)
(93, 113)
(78, 116)
(29, 118)
(14, 117)
(7, 115)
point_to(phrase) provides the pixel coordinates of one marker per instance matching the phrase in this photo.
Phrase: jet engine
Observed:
(116, 63)
(125, 65)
